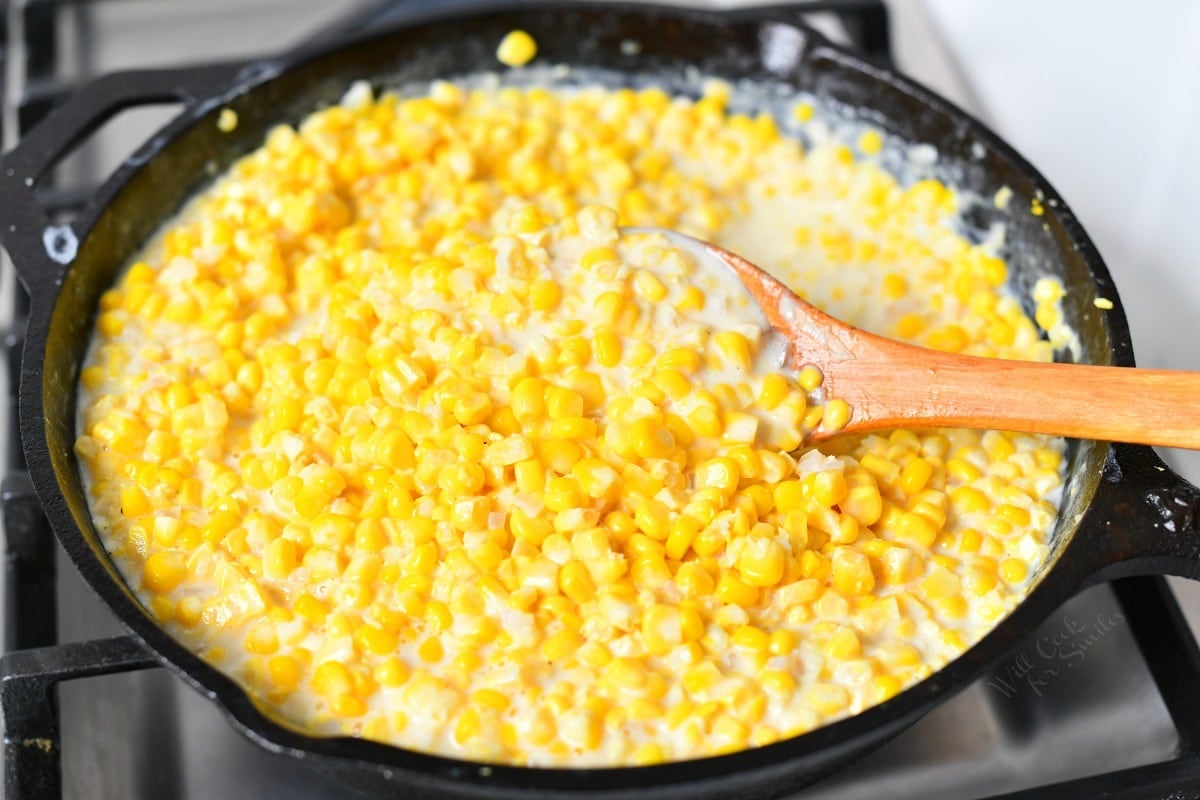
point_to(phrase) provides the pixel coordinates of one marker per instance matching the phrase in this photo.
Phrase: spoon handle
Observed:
(890, 384)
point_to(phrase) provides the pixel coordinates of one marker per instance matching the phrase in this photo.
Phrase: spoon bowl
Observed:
(890, 384)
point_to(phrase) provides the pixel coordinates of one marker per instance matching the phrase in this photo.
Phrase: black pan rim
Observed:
(775, 761)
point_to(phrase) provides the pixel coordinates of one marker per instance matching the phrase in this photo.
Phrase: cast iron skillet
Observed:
(1124, 513)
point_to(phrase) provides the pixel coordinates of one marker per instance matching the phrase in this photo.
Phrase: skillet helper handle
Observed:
(868, 22)
(1145, 520)
(41, 250)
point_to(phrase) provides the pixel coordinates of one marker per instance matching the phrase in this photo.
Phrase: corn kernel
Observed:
(516, 49)
(1013, 570)
(731, 589)
(163, 571)
(836, 414)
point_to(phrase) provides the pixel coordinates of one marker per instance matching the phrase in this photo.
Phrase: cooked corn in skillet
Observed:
(322, 443)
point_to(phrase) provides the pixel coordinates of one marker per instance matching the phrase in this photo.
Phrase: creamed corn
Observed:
(394, 426)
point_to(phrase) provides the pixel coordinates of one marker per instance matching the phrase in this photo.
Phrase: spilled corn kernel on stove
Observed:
(1096, 699)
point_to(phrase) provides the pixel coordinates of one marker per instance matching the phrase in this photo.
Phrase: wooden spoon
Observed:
(890, 384)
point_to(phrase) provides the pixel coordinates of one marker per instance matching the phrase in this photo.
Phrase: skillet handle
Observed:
(1145, 520)
(40, 249)
(867, 22)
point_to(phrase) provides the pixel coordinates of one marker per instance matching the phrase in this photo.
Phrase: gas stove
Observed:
(1101, 700)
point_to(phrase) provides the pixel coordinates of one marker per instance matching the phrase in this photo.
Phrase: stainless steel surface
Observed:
(1079, 706)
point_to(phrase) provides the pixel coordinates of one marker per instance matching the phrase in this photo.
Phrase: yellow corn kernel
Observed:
(844, 645)
(762, 562)
(261, 639)
(968, 500)
(998, 446)
(734, 349)
(777, 681)
(693, 580)
(662, 629)
(863, 502)
(719, 473)
(639, 353)
(648, 286)
(916, 529)
(332, 679)
(894, 286)
(970, 541)
(596, 478)
(431, 650)
(392, 672)
(134, 502)
(281, 559)
(653, 519)
(573, 428)
(575, 582)
(829, 487)
(683, 530)
(348, 705)
(940, 583)
(681, 359)
(376, 640)
(963, 470)
(836, 414)
(598, 255)
(491, 700)
(828, 698)
(561, 645)
(884, 687)
(851, 572)
(649, 439)
(914, 476)
(562, 403)
(704, 422)
(1014, 570)
(739, 428)
(1014, 514)
(545, 295)
(310, 608)
(529, 399)
(810, 378)
(700, 678)
(751, 638)
(870, 142)
(607, 347)
(284, 673)
(731, 589)
(530, 476)
(461, 480)
(692, 298)
(979, 580)
(953, 606)
(774, 390)
(516, 49)
(163, 571)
